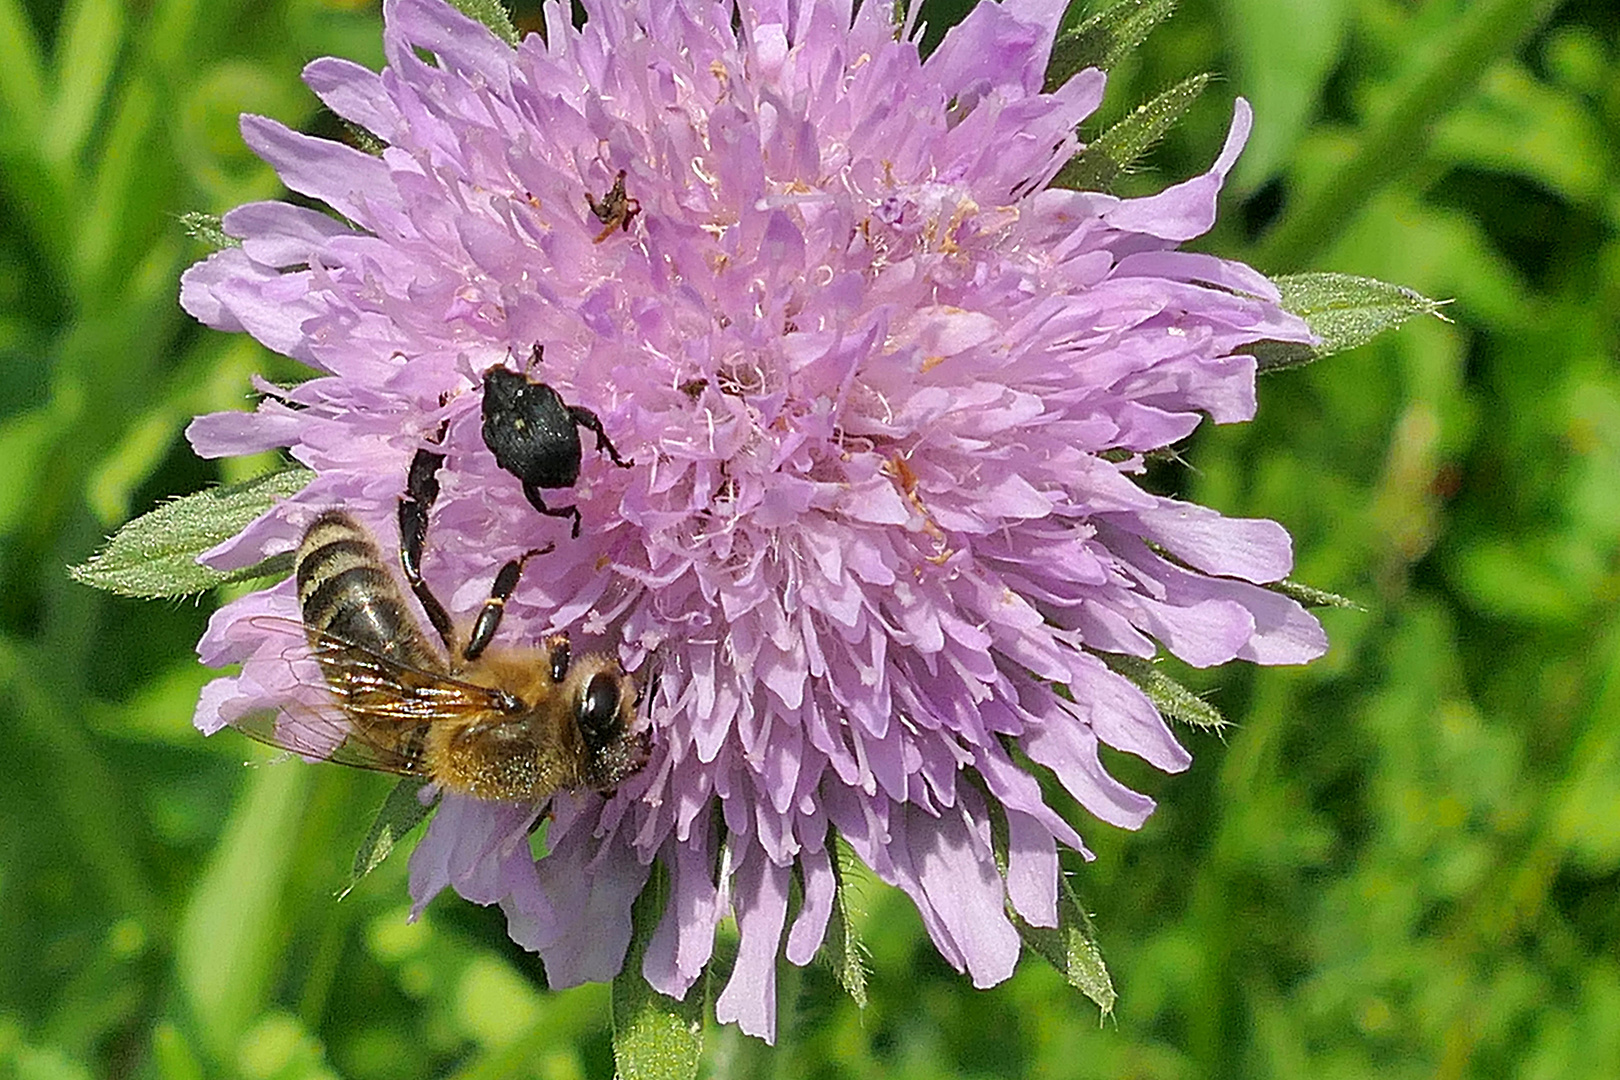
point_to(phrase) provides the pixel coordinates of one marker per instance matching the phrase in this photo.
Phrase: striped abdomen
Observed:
(346, 591)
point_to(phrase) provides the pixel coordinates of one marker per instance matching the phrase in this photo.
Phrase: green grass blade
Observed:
(230, 941)
(1399, 137)
(22, 82)
(88, 44)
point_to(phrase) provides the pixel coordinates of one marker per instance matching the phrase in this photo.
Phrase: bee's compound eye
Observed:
(599, 711)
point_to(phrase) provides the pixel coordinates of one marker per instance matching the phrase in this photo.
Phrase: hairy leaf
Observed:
(493, 14)
(1168, 696)
(209, 229)
(401, 812)
(1104, 39)
(363, 140)
(841, 949)
(1344, 311)
(156, 554)
(1070, 946)
(1097, 166)
(1310, 597)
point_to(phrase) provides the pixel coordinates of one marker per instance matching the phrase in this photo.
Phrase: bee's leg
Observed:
(489, 619)
(538, 501)
(421, 489)
(560, 655)
(589, 420)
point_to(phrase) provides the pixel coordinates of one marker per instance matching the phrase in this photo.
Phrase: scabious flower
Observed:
(885, 390)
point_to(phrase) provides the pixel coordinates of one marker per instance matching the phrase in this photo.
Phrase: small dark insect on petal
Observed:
(615, 210)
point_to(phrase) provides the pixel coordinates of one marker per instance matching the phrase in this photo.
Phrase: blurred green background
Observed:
(1402, 861)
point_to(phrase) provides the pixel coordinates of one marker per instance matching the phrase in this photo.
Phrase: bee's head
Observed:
(604, 706)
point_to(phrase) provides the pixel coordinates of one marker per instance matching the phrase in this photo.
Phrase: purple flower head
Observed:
(884, 390)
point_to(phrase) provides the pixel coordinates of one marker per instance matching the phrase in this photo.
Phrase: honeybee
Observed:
(516, 724)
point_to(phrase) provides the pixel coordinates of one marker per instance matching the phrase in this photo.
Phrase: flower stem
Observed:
(1397, 139)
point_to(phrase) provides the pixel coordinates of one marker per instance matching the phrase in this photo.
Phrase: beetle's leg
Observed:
(538, 501)
(489, 619)
(421, 490)
(587, 419)
(537, 355)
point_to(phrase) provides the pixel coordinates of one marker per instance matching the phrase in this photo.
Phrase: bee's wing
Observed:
(381, 712)
(312, 733)
(375, 689)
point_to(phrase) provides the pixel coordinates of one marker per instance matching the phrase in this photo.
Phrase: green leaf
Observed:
(156, 554)
(1097, 166)
(1168, 696)
(209, 229)
(173, 1055)
(1104, 39)
(1285, 51)
(1071, 947)
(1518, 125)
(363, 140)
(1312, 597)
(1344, 311)
(493, 14)
(401, 812)
(841, 949)
(655, 1037)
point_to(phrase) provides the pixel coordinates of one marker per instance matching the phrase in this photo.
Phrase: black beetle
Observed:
(534, 435)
